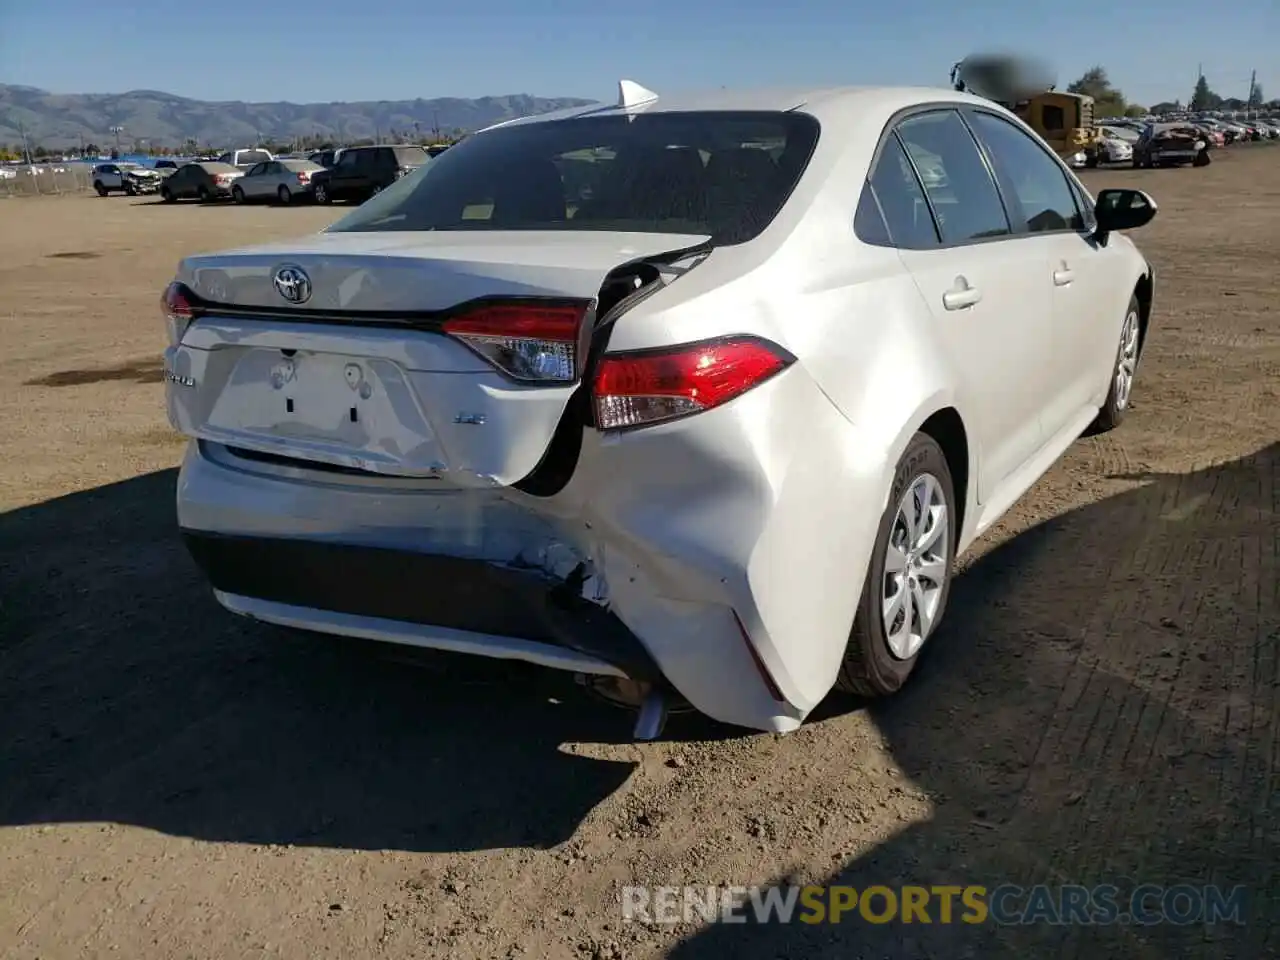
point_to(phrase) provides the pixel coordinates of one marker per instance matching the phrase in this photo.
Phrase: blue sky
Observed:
(321, 50)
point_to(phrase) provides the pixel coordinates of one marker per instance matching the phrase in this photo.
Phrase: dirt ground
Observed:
(1100, 707)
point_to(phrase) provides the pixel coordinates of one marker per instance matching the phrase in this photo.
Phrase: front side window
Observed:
(723, 174)
(1035, 178)
(963, 195)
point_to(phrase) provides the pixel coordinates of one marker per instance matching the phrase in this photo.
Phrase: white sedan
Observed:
(281, 180)
(697, 397)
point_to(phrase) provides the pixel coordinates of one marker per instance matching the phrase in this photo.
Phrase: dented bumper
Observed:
(455, 594)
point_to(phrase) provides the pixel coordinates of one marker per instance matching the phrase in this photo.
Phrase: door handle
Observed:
(1063, 276)
(961, 296)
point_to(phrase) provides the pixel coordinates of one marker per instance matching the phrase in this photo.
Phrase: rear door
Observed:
(344, 176)
(252, 182)
(987, 289)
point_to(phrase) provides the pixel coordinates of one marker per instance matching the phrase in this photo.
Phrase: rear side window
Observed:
(955, 177)
(1035, 178)
(253, 156)
(902, 200)
(410, 156)
(723, 174)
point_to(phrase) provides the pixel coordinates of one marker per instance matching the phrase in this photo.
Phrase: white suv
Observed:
(124, 177)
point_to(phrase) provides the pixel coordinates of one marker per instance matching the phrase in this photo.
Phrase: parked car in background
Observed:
(1168, 144)
(1112, 148)
(661, 436)
(165, 164)
(123, 177)
(246, 158)
(205, 181)
(362, 172)
(280, 180)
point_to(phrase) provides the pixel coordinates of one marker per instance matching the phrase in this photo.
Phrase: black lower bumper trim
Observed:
(443, 591)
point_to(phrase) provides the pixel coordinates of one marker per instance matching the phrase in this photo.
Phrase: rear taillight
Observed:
(650, 386)
(528, 342)
(304, 178)
(220, 180)
(179, 306)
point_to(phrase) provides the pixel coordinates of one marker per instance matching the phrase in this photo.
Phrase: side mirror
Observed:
(1123, 210)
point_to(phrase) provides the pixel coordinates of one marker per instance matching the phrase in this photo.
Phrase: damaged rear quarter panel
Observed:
(758, 507)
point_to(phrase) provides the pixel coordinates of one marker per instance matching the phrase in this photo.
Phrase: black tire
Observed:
(870, 668)
(1137, 163)
(283, 195)
(204, 195)
(322, 194)
(165, 195)
(1112, 413)
(237, 195)
(102, 191)
(1202, 159)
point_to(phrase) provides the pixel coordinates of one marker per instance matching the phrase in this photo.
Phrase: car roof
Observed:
(822, 102)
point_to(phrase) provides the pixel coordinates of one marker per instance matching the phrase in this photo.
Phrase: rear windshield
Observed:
(410, 156)
(253, 156)
(718, 173)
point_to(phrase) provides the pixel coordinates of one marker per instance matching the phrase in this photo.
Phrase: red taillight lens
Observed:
(533, 343)
(649, 386)
(178, 304)
(304, 177)
(220, 180)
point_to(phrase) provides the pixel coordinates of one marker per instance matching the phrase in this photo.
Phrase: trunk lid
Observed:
(346, 361)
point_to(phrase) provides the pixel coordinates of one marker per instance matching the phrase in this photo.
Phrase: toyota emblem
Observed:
(292, 283)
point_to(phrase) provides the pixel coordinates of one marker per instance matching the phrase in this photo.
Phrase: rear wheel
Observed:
(283, 194)
(909, 576)
(102, 191)
(1123, 372)
(237, 195)
(165, 195)
(204, 195)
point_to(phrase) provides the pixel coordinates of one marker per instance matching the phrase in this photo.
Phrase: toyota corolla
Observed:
(698, 397)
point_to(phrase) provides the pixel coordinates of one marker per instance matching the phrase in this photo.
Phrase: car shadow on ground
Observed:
(1102, 704)
(1102, 707)
(128, 695)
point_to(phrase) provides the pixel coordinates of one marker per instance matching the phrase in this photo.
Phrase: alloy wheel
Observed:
(916, 566)
(1127, 362)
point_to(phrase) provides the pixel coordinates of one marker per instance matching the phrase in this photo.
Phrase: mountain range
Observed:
(59, 121)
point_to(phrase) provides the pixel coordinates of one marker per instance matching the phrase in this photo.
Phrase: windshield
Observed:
(726, 174)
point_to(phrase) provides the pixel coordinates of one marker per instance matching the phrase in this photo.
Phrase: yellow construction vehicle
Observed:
(1064, 120)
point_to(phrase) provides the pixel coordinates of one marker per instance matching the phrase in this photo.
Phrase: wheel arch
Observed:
(941, 419)
(1144, 290)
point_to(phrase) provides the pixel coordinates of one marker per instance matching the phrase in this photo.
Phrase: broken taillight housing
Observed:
(532, 343)
(651, 386)
(179, 306)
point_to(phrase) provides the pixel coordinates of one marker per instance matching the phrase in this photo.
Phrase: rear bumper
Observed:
(455, 594)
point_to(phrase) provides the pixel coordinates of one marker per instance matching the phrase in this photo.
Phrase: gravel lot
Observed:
(174, 782)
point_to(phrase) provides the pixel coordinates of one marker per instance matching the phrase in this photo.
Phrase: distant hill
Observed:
(61, 121)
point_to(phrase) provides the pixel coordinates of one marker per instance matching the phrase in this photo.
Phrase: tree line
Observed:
(1108, 101)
